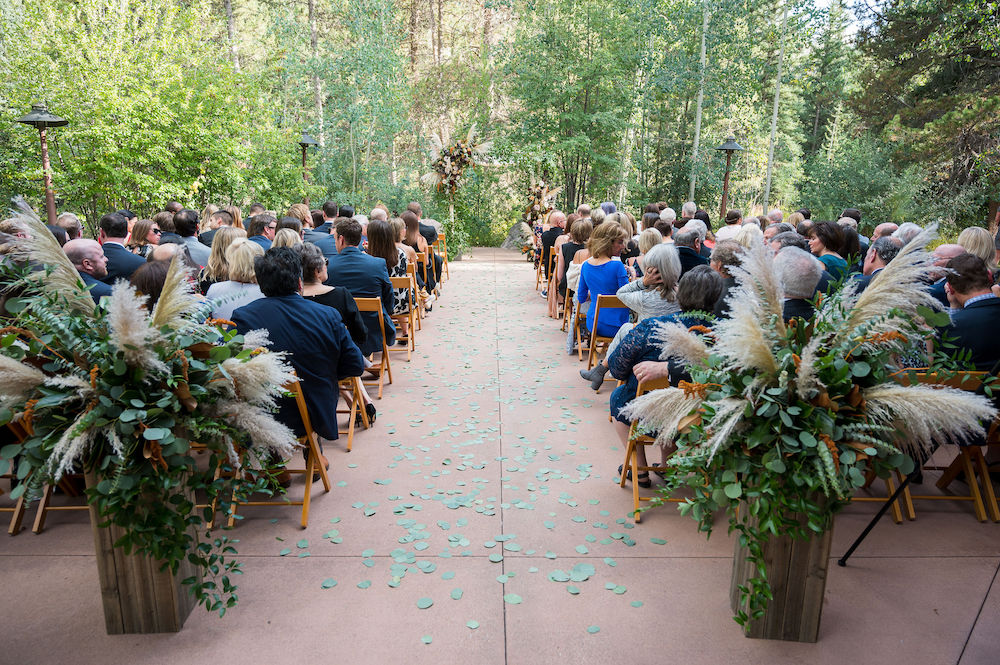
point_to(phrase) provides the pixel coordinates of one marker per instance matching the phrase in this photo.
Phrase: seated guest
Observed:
(666, 230)
(58, 233)
(907, 231)
(88, 259)
(578, 237)
(240, 286)
(701, 222)
(206, 220)
(688, 246)
(648, 239)
(653, 295)
(943, 254)
(798, 272)
(217, 269)
(261, 230)
(286, 238)
(975, 311)
(638, 356)
(415, 240)
(749, 236)
(978, 241)
(300, 213)
(733, 220)
(878, 256)
(145, 236)
(317, 220)
(148, 281)
(382, 246)
(365, 277)
(604, 274)
(557, 223)
(237, 214)
(329, 219)
(216, 221)
(70, 223)
(774, 229)
(186, 224)
(429, 230)
(313, 337)
(121, 262)
(313, 288)
(726, 255)
(883, 229)
(825, 240)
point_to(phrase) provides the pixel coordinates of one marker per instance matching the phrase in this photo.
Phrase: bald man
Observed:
(943, 254)
(557, 226)
(884, 229)
(89, 260)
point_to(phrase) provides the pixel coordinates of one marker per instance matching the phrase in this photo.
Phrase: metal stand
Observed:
(842, 561)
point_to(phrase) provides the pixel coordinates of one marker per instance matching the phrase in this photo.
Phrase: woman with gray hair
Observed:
(653, 295)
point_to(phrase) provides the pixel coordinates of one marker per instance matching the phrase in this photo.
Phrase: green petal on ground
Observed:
(328, 583)
(424, 603)
(456, 594)
(473, 624)
(512, 598)
(593, 629)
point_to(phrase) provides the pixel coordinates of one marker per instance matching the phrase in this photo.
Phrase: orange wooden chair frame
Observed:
(384, 368)
(631, 460)
(408, 317)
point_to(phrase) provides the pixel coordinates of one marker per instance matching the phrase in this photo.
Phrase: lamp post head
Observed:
(307, 141)
(730, 146)
(40, 118)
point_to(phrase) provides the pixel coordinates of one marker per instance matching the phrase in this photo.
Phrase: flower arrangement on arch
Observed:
(124, 393)
(450, 161)
(780, 424)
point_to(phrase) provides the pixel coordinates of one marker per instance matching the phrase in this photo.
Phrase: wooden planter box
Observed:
(137, 596)
(796, 570)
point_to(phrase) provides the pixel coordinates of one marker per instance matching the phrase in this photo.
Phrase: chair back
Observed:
(373, 305)
(295, 388)
(652, 384)
(607, 302)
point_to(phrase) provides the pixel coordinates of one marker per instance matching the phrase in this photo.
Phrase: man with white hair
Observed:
(70, 223)
(906, 232)
(799, 273)
(378, 213)
(688, 245)
(687, 213)
(877, 257)
(89, 260)
(668, 215)
(775, 216)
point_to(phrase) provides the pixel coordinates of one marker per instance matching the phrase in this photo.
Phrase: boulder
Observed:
(518, 236)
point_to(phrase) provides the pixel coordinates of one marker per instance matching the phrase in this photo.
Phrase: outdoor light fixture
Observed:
(41, 119)
(730, 146)
(306, 142)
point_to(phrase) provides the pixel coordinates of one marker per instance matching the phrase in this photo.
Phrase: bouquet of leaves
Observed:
(449, 161)
(780, 423)
(125, 393)
(540, 202)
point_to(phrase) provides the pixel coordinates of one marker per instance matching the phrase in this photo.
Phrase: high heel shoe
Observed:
(644, 480)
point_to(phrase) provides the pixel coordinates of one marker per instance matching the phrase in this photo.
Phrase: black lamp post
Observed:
(730, 146)
(306, 142)
(40, 119)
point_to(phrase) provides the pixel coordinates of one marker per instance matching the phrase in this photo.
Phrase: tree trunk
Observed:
(440, 32)
(774, 113)
(317, 82)
(701, 98)
(628, 139)
(433, 44)
(413, 36)
(231, 32)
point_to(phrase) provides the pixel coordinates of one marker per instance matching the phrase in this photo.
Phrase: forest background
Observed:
(892, 107)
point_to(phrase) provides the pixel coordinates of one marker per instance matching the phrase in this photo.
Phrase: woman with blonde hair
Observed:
(286, 238)
(603, 274)
(648, 239)
(240, 287)
(206, 217)
(237, 216)
(750, 236)
(217, 269)
(977, 241)
(300, 211)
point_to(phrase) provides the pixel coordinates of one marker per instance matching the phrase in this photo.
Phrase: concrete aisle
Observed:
(486, 490)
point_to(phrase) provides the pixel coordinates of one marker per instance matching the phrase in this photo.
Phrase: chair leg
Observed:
(990, 496)
(636, 513)
(17, 518)
(907, 499)
(890, 488)
(970, 476)
(310, 465)
(43, 506)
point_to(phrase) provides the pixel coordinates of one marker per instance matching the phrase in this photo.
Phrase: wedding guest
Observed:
(798, 272)
(825, 238)
(604, 274)
(733, 220)
(978, 241)
(261, 230)
(121, 262)
(217, 220)
(286, 237)
(145, 236)
(89, 260)
(217, 268)
(186, 223)
(975, 311)
(240, 287)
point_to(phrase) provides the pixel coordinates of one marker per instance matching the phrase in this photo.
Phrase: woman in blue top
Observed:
(603, 274)
(825, 241)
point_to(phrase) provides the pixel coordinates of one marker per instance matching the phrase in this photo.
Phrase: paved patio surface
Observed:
(491, 467)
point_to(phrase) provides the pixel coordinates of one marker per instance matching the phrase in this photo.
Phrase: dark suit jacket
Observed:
(797, 308)
(937, 290)
(262, 241)
(548, 240)
(313, 236)
(864, 280)
(690, 258)
(324, 227)
(429, 233)
(97, 288)
(721, 306)
(121, 262)
(328, 245)
(365, 277)
(974, 328)
(207, 237)
(319, 348)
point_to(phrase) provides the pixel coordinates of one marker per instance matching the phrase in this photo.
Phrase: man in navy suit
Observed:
(365, 277)
(88, 259)
(877, 258)
(976, 311)
(121, 262)
(326, 228)
(688, 244)
(318, 345)
(261, 230)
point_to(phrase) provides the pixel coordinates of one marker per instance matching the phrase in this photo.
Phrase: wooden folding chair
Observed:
(384, 370)
(406, 317)
(599, 343)
(422, 262)
(567, 308)
(312, 460)
(351, 386)
(442, 246)
(970, 459)
(580, 318)
(411, 272)
(631, 460)
(538, 273)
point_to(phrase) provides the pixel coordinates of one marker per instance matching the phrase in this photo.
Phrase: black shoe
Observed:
(644, 480)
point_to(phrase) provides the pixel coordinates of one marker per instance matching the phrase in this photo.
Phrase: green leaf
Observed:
(860, 368)
(734, 490)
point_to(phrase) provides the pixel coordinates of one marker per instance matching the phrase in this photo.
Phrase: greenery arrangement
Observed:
(780, 423)
(449, 161)
(128, 395)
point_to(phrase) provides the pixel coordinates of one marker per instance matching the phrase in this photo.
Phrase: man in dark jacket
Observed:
(365, 277)
(121, 262)
(88, 259)
(688, 245)
(318, 345)
(976, 311)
